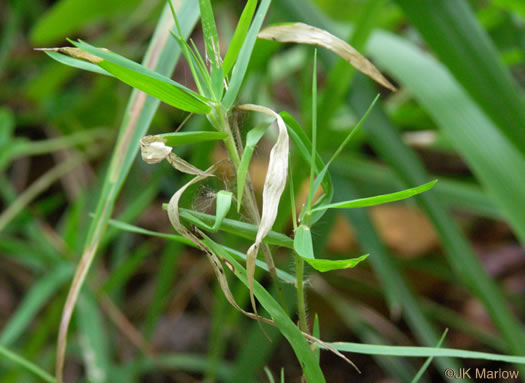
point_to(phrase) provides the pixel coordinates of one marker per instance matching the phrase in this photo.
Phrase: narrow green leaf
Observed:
(94, 340)
(397, 290)
(148, 81)
(126, 269)
(302, 350)
(304, 146)
(322, 173)
(453, 33)
(198, 68)
(240, 229)
(37, 297)
(26, 364)
(381, 199)
(311, 191)
(164, 281)
(316, 331)
(324, 265)
(459, 195)
(213, 53)
(252, 139)
(474, 136)
(269, 375)
(283, 275)
(340, 75)
(239, 36)
(429, 360)
(302, 242)
(423, 352)
(186, 138)
(77, 63)
(223, 202)
(161, 56)
(211, 38)
(239, 70)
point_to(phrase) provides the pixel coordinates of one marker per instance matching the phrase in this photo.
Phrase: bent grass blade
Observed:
(306, 34)
(161, 56)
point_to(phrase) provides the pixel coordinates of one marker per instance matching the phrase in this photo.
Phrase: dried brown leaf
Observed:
(154, 150)
(306, 34)
(274, 185)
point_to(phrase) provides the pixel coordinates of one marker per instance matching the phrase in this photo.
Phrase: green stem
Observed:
(299, 263)
(301, 306)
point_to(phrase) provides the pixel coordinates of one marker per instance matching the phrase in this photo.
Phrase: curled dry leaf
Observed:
(174, 217)
(274, 185)
(306, 34)
(154, 150)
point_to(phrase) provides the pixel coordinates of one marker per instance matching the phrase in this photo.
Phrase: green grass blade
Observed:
(187, 138)
(304, 146)
(161, 56)
(269, 375)
(255, 352)
(347, 139)
(192, 363)
(460, 195)
(213, 52)
(241, 65)
(302, 242)
(94, 339)
(381, 199)
(198, 68)
(399, 295)
(241, 229)
(304, 354)
(453, 33)
(36, 298)
(223, 202)
(125, 270)
(369, 332)
(316, 331)
(311, 190)
(238, 37)
(211, 38)
(475, 136)
(429, 360)
(341, 74)
(283, 275)
(26, 364)
(252, 139)
(163, 285)
(424, 352)
(148, 81)
(77, 63)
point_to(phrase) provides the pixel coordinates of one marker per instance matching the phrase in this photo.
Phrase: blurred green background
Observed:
(151, 311)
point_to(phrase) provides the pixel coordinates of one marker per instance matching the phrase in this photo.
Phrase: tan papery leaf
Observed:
(306, 34)
(274, 185)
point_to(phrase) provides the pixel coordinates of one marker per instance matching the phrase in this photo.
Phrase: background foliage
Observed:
(151, 310)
